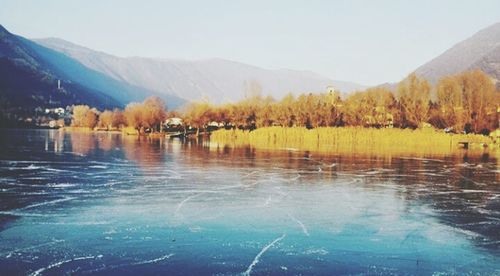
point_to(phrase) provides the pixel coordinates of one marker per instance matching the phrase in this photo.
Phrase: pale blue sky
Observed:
(368, 42)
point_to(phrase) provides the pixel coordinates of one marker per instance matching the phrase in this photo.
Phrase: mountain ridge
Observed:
(31, 75)
(479, 51)
(220, 80)
(27, 80)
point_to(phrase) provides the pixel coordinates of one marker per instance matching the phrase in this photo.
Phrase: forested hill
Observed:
(29, 75)
(28, 81)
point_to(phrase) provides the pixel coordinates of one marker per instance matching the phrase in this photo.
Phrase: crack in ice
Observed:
(304, 229)
(9, 253)
(154, 260)
(41, 270)
(46, 203)
(256, 259)
(249, 174)
(179, 206)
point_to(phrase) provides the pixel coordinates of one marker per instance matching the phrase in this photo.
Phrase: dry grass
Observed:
(129, 131)
(76, 129)
(352, 139)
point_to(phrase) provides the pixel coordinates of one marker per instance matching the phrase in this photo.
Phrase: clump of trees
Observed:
(149, 114)
(111, 119)
(414, 96)
(84, 116)
(466, 102)
(146, 115)
(376, 107)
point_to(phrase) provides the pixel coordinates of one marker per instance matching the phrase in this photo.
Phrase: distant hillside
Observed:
(482, 51)
(73, 70)
(216, 79)
(29, 73)
(28, 81)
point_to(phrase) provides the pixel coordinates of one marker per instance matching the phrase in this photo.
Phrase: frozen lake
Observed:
(81, 203)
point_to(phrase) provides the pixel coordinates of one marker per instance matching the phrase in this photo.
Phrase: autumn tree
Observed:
(222, 115)
(84, 116)
(332, 105)
(237, 115)
(111, 119)
(414, 97)
(285, 114)
(154, 113)
(383, 110)
(198, 115)
(78, 117)
(92, 118)
(354, 109)
(467, 102)
(149, 114)
(480, 100)
(264, 114)
(106, 119)
(318, 110)
(118, 118)
(302, 109)
(373, 107)
(134, 116)
(450, 103)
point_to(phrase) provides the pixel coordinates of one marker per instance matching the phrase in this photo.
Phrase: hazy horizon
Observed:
(341, 40)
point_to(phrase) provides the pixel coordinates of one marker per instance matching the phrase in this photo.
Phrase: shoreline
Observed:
(125, 131)
(334, 139)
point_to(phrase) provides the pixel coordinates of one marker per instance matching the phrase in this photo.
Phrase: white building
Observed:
(58, 110)
(173, 122)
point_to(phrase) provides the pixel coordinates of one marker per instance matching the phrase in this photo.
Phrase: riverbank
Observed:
(89, 130)
(355, 139)
(125, 130)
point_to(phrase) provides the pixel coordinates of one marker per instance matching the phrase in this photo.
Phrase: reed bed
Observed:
(352, 139)
(76, 129)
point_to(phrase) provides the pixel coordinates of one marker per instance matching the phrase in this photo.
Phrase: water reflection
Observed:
(331, 206)
(462, 188)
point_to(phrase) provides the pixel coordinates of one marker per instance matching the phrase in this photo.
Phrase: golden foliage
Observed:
(148, 114)
(106, 119)
(464, 102)
(84, 116)
(414, 98)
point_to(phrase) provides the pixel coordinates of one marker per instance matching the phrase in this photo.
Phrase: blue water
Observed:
(107, 204)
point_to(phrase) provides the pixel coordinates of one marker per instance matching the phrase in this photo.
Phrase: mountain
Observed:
(480, 51)
(29, 74)
(28, 81)
(218, 80)
(72, 69)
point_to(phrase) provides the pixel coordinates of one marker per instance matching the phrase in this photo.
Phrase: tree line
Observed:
(466, 102)
(150, 114)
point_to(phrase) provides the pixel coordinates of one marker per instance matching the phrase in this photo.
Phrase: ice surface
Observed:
(100, 204)
(57, 264)
(257, 258)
